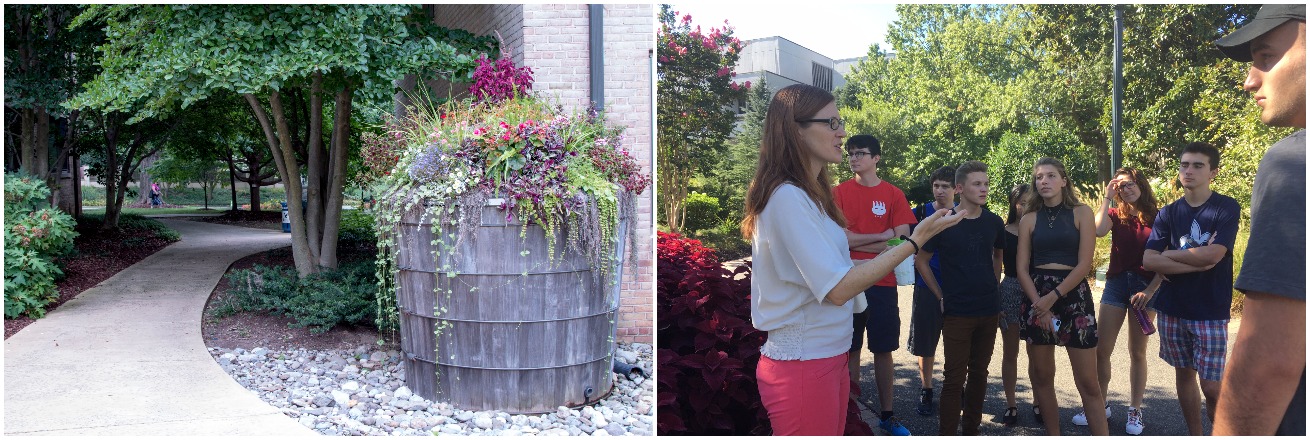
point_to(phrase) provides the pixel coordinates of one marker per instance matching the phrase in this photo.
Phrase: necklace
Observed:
(1051, 214)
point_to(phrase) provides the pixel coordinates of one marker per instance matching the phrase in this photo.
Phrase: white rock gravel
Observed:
(363, 392)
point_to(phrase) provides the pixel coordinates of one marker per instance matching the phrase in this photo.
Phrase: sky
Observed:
(833, 29)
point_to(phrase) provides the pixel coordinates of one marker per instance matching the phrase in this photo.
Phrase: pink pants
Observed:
(805, 397)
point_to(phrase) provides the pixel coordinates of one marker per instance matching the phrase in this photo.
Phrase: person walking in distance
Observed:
(925, 311)
(1056, 241)
(1258, 397)
(875, 211)
(970, 256)
(1191, 245)
(804, 281)
(1127, 285)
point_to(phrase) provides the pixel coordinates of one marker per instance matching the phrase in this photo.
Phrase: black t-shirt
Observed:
(1277, 242)
(968, 281)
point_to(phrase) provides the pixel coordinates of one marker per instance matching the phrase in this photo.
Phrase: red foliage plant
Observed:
(708, 348)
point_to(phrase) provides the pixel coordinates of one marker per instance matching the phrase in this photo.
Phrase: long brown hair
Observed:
(1146, 206)
(1068, 197)
(1017, 194)
(782, 156)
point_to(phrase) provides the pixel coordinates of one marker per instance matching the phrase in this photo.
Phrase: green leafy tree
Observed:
(45, 64)
(172, 56)
(694, 112)
(730, 180)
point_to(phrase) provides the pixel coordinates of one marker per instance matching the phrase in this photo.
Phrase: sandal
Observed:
(1011, 416)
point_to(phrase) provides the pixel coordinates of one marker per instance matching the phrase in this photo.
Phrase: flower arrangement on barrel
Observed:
(538, 164)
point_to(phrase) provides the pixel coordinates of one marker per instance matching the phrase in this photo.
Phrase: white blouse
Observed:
(799, 254)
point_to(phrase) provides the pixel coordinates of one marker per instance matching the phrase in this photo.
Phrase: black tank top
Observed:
(1055, 239)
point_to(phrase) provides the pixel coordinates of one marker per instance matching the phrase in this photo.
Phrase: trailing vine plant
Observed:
(440, 164)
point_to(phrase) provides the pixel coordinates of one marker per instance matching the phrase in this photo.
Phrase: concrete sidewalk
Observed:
(126, 356)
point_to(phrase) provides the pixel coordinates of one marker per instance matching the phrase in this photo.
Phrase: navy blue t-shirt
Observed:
(968, 278)
(920, 213)
(1201, 296)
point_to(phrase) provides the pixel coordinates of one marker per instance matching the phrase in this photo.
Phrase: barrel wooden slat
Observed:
(522, 333)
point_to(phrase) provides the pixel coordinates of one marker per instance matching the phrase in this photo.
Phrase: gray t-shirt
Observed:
(1277, 244)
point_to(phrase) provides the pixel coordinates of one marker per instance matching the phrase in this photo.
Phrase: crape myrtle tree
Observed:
(175, 55)
(45, 64)
(696, 92)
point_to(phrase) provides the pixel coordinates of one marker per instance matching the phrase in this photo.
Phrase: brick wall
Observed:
(553, 40)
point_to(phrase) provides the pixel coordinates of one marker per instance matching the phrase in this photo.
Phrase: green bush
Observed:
(34, 237)
(319, 301)
(356, 229)
(725, 238)
(702, 211)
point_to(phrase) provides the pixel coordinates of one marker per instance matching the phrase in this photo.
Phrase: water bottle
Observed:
(1145, 322)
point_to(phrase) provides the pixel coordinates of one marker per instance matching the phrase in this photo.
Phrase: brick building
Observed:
(555, 40)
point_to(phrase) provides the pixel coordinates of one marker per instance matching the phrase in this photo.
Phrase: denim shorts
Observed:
(1120, 288)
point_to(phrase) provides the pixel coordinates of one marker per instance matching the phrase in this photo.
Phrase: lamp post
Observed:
(1116, 139)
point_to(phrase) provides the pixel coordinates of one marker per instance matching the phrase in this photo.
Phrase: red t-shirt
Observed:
(1127, 244)
(871, 210)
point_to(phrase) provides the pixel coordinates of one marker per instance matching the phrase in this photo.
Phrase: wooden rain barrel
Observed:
(522, 333)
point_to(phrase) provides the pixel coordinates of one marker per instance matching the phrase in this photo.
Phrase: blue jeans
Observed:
(1120, 288)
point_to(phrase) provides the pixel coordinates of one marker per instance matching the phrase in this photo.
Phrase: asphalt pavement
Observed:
(1160, 410)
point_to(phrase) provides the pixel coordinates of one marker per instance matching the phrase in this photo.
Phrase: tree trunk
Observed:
(144, 180)
(279, 143)
(315, 165)
(254, 199)
(232, 178)
(336, 190)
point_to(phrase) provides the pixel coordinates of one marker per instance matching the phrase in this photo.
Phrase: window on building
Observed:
(822, 76)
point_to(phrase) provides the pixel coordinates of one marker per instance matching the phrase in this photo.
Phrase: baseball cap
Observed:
(1237, 45)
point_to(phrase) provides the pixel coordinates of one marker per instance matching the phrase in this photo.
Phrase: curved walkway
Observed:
(126, 357)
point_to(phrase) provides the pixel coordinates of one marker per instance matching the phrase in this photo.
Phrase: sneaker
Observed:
(893, 427)
(925, 402)
(1134, 425)
(1080, 419)
(1011, 416)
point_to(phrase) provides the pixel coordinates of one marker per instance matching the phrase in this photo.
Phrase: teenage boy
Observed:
(1270, 348)
(926, 310)
(970, 254)
(1191, 244)
(875, 211)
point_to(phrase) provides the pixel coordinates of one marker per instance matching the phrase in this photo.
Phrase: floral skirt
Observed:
(1076, 311)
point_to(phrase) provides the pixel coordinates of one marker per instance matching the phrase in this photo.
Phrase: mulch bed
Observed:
(97, 256)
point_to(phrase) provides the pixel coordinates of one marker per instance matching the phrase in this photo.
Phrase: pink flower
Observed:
(748, 84)
(733, 85)
(723, 71)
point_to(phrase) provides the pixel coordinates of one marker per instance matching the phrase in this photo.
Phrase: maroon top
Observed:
(1127, 244)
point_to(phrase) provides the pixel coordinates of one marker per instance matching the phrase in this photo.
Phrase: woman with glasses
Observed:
(1057, 235)
(803, 279)
(1127, 284)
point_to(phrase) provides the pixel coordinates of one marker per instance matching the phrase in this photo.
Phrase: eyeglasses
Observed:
(859, 154)
(834, 122)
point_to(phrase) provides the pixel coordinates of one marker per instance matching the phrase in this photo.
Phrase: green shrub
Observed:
(702, 211)
(356, 229)
(725, 238)
(34, 237)
(131, 222)
(319, 301)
